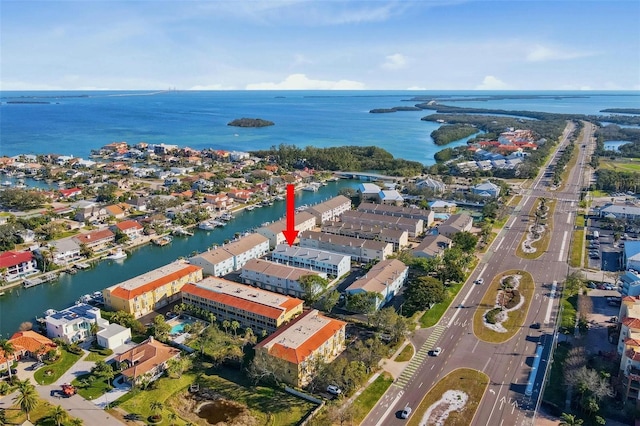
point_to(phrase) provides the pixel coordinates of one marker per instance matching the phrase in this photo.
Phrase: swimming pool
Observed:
(177, 324)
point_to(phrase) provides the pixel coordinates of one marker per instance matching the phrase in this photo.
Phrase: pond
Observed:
(220, 410)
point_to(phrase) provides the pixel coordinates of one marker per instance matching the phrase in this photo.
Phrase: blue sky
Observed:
(331, 44)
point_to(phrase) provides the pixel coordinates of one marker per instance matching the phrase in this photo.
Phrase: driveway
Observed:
(78, 369)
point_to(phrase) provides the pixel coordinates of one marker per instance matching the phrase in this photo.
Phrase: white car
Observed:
(406, 412)
(480, 281)
(437, 351)
(334, 390)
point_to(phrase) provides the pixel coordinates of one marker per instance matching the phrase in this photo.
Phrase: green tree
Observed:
(466, 241)
(422, 293)
(103, 371)
(234, 326)
(27, 397)
(313, 286)
(59, 415)
(330, 300)
(156, 408)
(364, 302)
(9, 350)
(570, 420)
(161, 329)
(76, 421)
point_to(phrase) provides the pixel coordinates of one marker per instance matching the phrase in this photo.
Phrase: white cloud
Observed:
(541, 53)
(492, 83)
(395, 62)
(211, 87)
(302, 82)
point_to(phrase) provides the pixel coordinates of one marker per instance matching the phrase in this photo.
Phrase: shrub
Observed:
(515, 299)
(492, 314)
(105, 352)
(75, 349)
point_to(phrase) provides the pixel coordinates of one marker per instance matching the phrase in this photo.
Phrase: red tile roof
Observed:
(70, 192)
(146, 356)
(13, 258)
(128, 224)
(631, 322)
(93, 236)
(124, 293)
(32, 341)
(305, 349)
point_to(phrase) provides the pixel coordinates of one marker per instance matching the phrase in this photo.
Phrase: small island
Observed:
(250, 122)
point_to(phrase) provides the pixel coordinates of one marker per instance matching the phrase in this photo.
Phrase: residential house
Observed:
(276, 277)
(61, 251)
(115, 211)
(486, 189)
(147, 292)
(383, 281)
(296, 349)
(240, 195)
(88, 211)
(432, 246)
(130, 228)
(368, 191)
(74, 324)
(147, 361)
(631, 256)
(456, 223)
(432, 184)
(398, 237)
(96, 240)
(250, 306)
(330, 209)
(27, 344)
(69, 193)
(17, 264)
(333, 264)
(303, 221)
(232, 256)
(440, 206)
(113, 336)
(390, 197)
(360, 250)
(630, 283)
(26, 235)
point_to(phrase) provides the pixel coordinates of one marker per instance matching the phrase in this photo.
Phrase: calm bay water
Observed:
(20, 304)
(74, 123)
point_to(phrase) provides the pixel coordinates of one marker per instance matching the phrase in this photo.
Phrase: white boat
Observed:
(119, 254)
(86, 298)
(251, 207)
(226, 216)
(313, 187)
(207, 225)
(218, 223)
(6, 183)
(97, 295)
(50, 312)
(279, 198)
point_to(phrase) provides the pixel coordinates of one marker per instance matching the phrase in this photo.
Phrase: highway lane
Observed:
(508, 365)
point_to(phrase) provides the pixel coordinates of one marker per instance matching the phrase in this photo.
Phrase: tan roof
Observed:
(222, 253)
(433, 245)
(331, 204)
(146, 356)
(281, 224)
(380, 276)
(277, 270)
(343, 240)
(352, 215)
(394, 210)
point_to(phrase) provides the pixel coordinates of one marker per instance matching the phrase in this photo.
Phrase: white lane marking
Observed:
(547, 316)
(386, 413)
(564, 241)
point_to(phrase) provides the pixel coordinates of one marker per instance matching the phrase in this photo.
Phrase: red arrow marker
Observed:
(290, 232)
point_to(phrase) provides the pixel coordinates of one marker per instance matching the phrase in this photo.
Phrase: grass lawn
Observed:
(630, 165)
(94, 357)
(433, 315)
(57, 369)
(575, 255)
(96, 389)
(542, 244)
(568, 321)
(515, 200)
(406, 354)
(555, 391)
(472, 382)
(39, 416)
(370, 396)
(515, 318)
(597, 193)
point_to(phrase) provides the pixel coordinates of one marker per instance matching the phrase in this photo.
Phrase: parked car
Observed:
(406, 412)
(334, 390)
(6, 372)
(37, 365)
(608, 287)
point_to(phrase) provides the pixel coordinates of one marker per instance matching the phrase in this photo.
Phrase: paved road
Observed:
(508, 365)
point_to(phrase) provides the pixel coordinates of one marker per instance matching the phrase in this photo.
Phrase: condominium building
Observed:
(250, 306)
(296, 349)
(276, 277)
(432, 246)
(398, 237)
(383, 281)
(330, 209)
(332, 264)
(629, 348)
(456, 223)
(399, 211)
(414, 227)
(360, 250)
(304, 221)
(232, 256)
(147, 292)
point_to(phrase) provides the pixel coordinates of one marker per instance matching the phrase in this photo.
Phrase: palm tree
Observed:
(59, 415)
(570, 420)
(156, 408)
(3, 417)
(8, 349)
(225, 325)
(27, 397)
(172, 418)
(77, 421)
(234, 326)
(212, 318)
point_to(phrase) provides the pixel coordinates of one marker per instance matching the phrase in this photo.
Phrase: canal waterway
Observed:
(20, 304)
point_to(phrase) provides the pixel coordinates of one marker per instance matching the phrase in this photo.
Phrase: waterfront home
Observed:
(73, 324)
(456, 223)
(62, 251)
(70, 193)
(96, 240)
(88, 211)
(390, 197)
(368, 191)
(130, 228)
(115, 211)
(330, 209)
(28, 344)
(414, 227)
(382, 281)
(147, 361)
(360, 250)
(297, 349)
(629, 349)
(397, 237)
(150, 291)
(432, 246)
(432, 184)
(332, 264)
(231, 256)
(276, 277)
(17, 264)
(250, 306)
(303, 221)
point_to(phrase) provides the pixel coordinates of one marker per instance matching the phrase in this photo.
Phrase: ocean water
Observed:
(74, 123)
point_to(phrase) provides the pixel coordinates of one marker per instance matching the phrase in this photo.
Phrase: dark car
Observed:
(536, 325)
(5, 373)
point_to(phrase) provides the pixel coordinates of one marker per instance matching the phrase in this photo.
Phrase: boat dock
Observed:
(39, 280)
